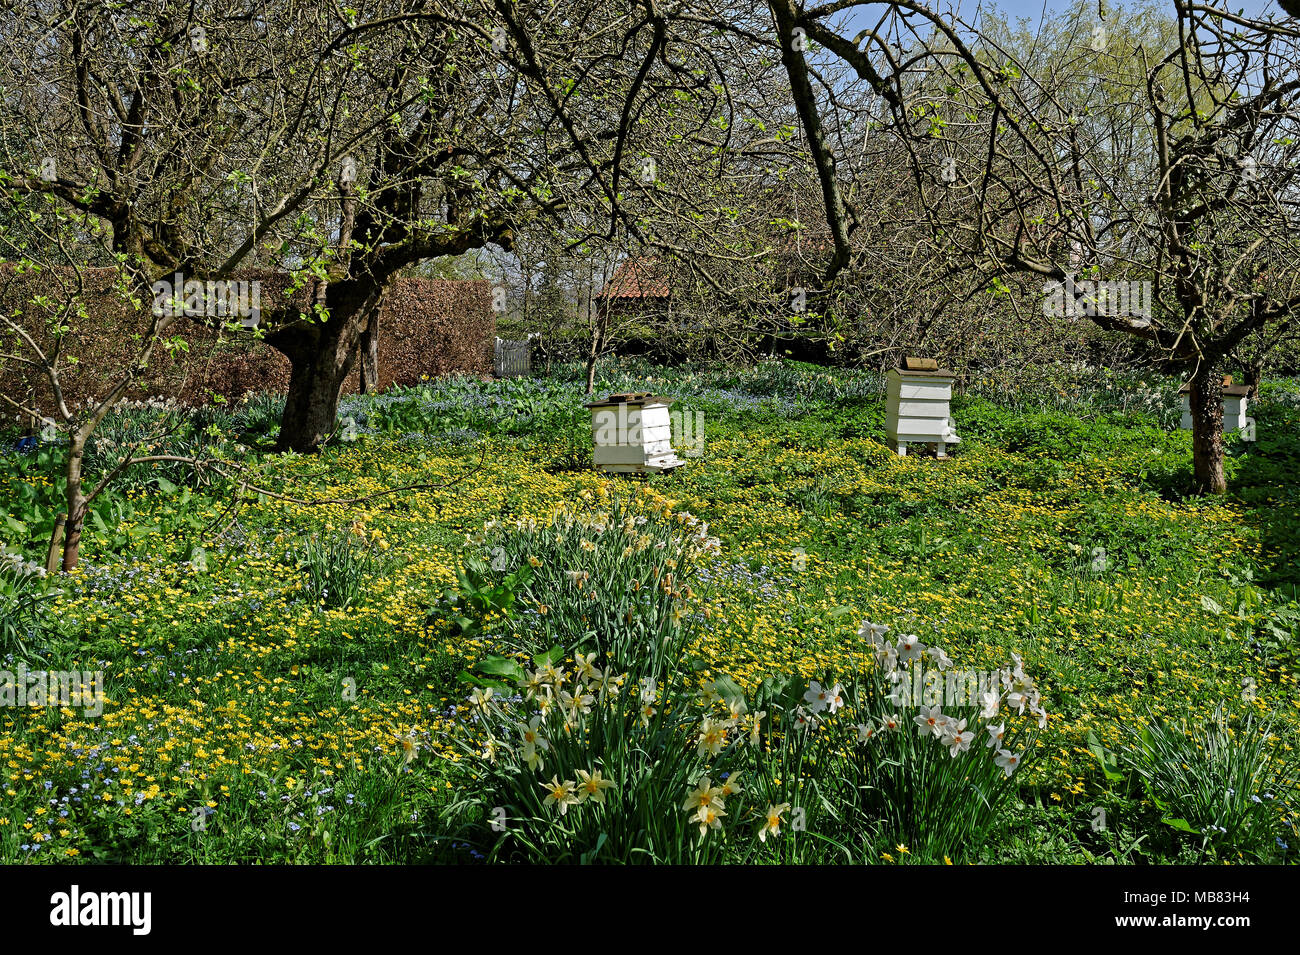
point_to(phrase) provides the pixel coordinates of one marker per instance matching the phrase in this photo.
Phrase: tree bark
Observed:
(76, 501)
(369, 352)
(320, 356)
(1206, 402)
(597, 344)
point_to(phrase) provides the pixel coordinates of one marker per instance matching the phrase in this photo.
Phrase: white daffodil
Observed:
(578, 702)
(865, 732)
(559, 794)
(989, 704)
(997, 732)
(956, 737)
(648, 688)
(1041, 713)
(531, 756)
(771, 825)
(609, 685)
(709, 817)
(930, 720)
(804, 720)
(873, 633)
(533, 684)
(755, 728)
(592, 786)
(909, 648)
(729, 786)
(584, 667)
(703, 795)
(1008, 760)
(530, 733)
(817, 697)
(835, 698)
(480, 698)
(940, 658)
(713, 736)
(893, 723)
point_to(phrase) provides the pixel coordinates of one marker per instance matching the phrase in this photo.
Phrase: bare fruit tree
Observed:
(1148, 181)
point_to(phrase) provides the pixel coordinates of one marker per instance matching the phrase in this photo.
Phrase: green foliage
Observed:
(1235, 786)
(337, 568)
(23, 591)
(478, 595)
(611, 579)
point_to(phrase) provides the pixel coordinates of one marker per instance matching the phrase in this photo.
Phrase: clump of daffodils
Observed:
(615, 571)
(901, 664)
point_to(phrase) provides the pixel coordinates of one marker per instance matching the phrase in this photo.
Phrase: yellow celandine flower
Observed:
(771, 825)
(887, 857)
(559, 794)
(592, 785)
(903, 850)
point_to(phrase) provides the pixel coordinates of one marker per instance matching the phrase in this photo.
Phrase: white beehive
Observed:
(1235, 398)
(632, 433)
(916, 410)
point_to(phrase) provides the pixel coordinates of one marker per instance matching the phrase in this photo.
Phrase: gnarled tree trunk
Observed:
(321, 355)
(1206, 402)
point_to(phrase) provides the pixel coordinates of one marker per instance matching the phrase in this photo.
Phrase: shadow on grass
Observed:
(1267, 481)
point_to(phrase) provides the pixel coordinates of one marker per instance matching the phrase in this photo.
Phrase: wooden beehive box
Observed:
(1235, 399)
(632, 433)
(918, 393)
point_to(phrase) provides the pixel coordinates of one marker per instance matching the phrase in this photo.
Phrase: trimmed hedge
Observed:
(426, 327)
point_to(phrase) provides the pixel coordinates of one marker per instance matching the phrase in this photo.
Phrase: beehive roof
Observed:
(637, 398)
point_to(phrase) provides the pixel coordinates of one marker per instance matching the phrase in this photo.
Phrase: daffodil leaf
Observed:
(550, 657)
(501, 666)
(727, 689)
(1182, 825)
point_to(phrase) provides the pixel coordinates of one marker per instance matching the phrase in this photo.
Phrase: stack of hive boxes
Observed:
(632, 433)
(916, 410)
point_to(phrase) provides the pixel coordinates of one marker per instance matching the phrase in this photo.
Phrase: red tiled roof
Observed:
(637, 278)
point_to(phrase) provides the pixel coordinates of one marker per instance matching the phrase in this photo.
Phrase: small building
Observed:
(918, 394)
(632, 434)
